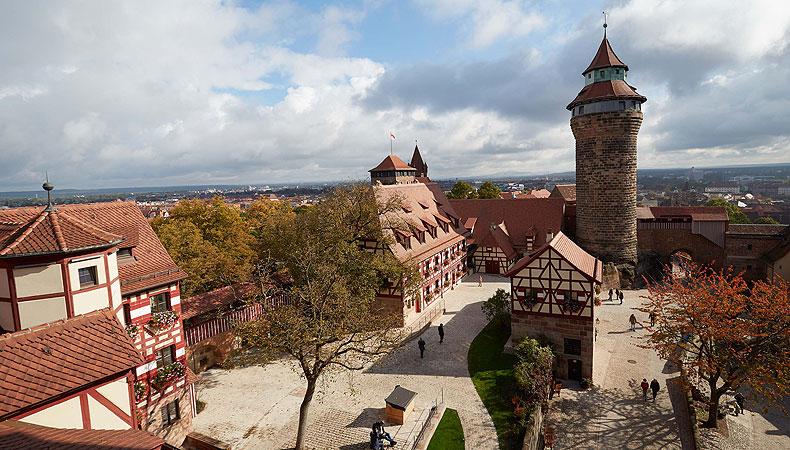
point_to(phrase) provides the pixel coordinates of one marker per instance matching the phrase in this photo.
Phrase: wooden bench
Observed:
(548, 438)
(558, 388)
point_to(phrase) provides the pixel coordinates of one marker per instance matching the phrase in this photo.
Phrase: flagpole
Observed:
(390, 143)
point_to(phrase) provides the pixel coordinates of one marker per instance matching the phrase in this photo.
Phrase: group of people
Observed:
(618, 295)
(378, 436)
(653, 386)
(421, 341)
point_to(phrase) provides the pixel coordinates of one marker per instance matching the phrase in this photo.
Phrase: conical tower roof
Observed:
(605, 57)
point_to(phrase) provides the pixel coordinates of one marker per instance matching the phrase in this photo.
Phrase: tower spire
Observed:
(604, 23)
(48, 187)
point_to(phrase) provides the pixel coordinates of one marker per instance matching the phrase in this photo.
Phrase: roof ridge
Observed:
(27, 229)
(54, 218)
(88, 228)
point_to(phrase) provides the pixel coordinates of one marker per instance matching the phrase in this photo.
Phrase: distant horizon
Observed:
(69, 192)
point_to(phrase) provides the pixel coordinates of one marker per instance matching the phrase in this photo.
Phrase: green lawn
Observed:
(492, 374)
(449, 434)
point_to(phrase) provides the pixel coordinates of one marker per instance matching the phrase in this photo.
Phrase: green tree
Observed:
(497, 308)
(488, 190)
(462, 190)
(533, 374)
(333, 321)
(211, 241)
(735, 214)
(766, 221)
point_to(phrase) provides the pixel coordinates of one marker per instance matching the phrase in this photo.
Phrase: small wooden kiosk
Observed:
(399, 405)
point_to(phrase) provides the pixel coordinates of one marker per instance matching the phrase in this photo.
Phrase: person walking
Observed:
(622, 296)
(616, 294)
(654, 386)
(441, 333)
(652, 319)
(479, 281)
(644, 389)
(421, 345)
(632, 320)
(610, 294)
(739, 401)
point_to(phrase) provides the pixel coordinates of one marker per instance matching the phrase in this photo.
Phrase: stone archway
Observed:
(679, 260)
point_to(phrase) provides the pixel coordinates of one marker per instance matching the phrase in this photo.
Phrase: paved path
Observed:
(752, 430)
(257, 407)
(613, 415)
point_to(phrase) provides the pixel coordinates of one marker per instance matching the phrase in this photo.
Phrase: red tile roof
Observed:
(521, 217)
(59, 357)
(566, 191)
(34, 231)
(584, 262)
(209, 301)
(392, 162)
(606, 90)
(760, 229)
(605, 57)
(423, 202)
(153, 265)
(16, 435)
(695, 213)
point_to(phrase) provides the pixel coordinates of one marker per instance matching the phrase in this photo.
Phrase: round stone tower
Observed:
(605, 119)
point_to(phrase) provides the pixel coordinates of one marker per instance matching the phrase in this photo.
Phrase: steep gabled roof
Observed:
(605, 57)
(392, 162)
(566, 191)
(59, 357)
(26, 232)
(417, 161)
(16, 435)
(152, 267)
(518, 215)
(584, 262)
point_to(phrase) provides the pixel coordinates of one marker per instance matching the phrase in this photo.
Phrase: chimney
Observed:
(549, 235)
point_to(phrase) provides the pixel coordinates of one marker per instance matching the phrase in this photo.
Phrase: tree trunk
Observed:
(713, 412)
(308, 397)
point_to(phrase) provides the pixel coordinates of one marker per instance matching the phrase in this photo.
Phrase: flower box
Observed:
(140, 390)
(168, 375)
(161, 321)
(132, 330)
(597, 301)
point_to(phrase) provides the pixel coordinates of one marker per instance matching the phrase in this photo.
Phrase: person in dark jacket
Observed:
(383, 435)
(441, 333)
(611, 292)
(375, 442)
(421, 345)
(644, 387)
(654, 386)
(622, 296)
(739, 400)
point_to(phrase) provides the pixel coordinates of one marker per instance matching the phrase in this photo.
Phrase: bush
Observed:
(497, 308)
(533, 371)
(586, 383)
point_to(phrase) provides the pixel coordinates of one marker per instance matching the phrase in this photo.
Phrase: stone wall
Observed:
(745, 252)
(665, 242)
(176, 433)
(606, 184)
(209, 352)
(533, 437)
(557, 329)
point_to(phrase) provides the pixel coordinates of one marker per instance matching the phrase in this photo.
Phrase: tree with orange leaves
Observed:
(723, 333)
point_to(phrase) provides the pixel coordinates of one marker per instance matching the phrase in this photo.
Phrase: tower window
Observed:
(622, 105)
(617, 71)
(602, 73)
(589, 75)
(633, 105)
(581, 109)
(87, 276)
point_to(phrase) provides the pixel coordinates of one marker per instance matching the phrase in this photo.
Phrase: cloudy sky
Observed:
(156, 93)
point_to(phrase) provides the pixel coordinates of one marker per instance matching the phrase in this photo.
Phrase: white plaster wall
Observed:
(104, 419)
(5, 289)
(85, 302)
(63, 415)
(115, 287)
(6, 316)
(112, 263)
(36, 312)
(38, 280)
(118, 393)
(74, 273)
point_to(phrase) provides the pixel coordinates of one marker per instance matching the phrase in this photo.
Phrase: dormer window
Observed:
(87, 276)
(125, 255)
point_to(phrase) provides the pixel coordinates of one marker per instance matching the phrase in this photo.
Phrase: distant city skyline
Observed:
(111, 94)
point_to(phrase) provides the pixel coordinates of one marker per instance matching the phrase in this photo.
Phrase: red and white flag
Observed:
(392, 136)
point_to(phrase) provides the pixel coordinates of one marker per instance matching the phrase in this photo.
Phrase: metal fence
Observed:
(418, 430)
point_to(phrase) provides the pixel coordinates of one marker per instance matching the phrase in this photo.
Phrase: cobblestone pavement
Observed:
(752, 430)
(613, 415)
(257, 407)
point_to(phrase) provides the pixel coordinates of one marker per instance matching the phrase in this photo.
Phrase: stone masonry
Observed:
(557, 329)
(606, 184)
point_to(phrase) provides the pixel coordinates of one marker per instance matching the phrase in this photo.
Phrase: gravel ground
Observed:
(257, 407)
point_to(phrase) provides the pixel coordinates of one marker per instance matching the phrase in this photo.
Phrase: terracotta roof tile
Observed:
(424, 203)
(756, 229)
(606, 90)
(605, 57)
(566, 191)
(696, 213)
(16, 435)
(209, 301)
(153, 266)
(518, 215)
(392, 162)
(583, 261)
(41, 362)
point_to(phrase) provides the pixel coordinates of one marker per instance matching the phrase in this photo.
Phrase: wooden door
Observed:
(492, 267)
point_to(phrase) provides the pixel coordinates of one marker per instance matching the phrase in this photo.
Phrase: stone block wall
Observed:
(209, 352)
(557, 329)
(744, 254)
(665, 242)
(606, 184)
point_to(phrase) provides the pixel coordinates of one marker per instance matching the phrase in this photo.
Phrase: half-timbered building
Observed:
(62, 261)
(554, 291)
(504, 230)
(432, 236)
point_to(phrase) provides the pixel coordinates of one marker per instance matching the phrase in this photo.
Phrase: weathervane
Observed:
(48, 187)
(604, 23)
